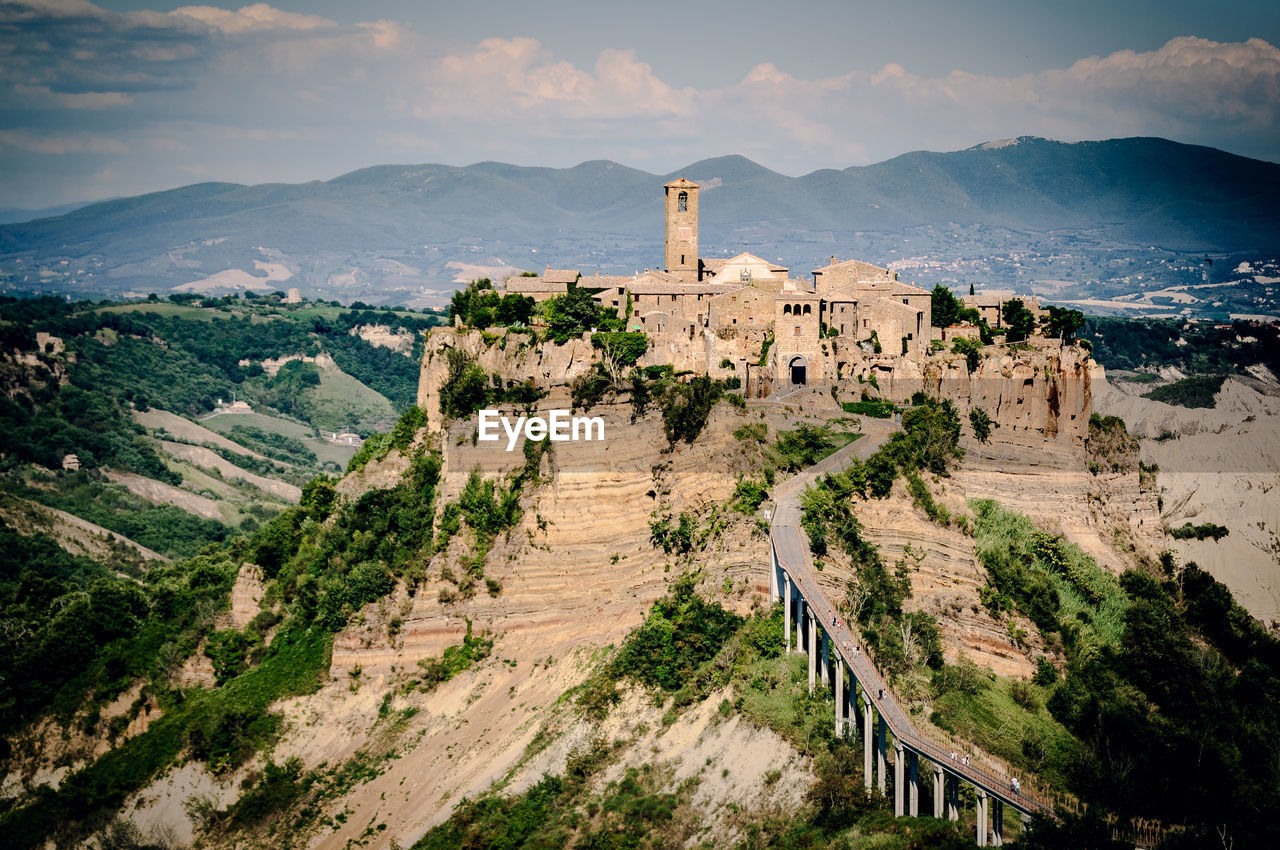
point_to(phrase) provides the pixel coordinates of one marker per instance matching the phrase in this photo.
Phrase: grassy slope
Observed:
(341, 403)
(325, 450)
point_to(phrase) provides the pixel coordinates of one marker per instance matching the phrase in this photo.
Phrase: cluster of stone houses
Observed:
(717, 315)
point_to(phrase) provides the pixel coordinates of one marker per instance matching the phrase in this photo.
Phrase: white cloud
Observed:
(258, 17)
(264, 93)
(503, 75)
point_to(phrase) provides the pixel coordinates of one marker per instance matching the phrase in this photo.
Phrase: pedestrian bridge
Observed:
(864, 703)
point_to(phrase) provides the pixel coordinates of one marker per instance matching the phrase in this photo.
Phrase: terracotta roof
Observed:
(560, 275)
(643, 287)
(886, 289)
(535, 284)
(898, 305)
(681, 184)
(604, 281)
(747, 256)
(843, 264)
(901, 288)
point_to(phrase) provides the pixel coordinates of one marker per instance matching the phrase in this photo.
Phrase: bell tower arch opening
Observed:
(682, 229)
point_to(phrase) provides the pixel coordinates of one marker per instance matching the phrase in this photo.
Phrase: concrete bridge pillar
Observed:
(980, 810)
(867, 735)
(913, 784)
(827, 651)
(774, 569)
(953, 798)
(800, 624)
(839, 700)
(899, 780)
(813, 649)
(786, 609)
(939, 789)
(997, 822)
(882, 763)
(851, 705)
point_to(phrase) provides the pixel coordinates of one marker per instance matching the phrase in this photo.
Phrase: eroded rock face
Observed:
(1031, 395)
(577, 573)
(514, 357)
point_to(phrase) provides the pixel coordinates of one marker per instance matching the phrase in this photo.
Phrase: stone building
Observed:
(797, 337)
(716, 315)
(745, 269)
(990, 305)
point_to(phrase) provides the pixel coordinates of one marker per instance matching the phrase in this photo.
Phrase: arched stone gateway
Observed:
(799, 368)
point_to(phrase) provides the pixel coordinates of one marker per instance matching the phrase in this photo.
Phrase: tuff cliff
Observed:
(513, 356)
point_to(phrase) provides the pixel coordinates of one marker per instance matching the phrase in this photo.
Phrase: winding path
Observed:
(830, 647)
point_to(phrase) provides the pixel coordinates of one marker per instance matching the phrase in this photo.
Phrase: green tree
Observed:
(686, 407)
(573, 314)
(981, 423)
(1063, 322)
(971, 349)
(1019, 321)
(466, 387)
(946, 307)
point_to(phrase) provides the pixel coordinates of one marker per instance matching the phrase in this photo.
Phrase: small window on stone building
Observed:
(797, 330)
(807, 310)
(786, 309)
(864, 323)
(905, 301)
(682, 203)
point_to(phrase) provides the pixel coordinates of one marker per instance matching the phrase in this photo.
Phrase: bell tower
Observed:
(682, 229)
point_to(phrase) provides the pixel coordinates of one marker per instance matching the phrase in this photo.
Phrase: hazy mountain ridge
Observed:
(952, 214)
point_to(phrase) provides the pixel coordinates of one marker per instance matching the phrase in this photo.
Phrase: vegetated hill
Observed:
(132, 394)
(1029, 195)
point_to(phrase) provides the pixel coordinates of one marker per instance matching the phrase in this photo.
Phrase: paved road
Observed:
(791, 545)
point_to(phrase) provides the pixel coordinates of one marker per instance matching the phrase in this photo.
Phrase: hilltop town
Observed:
(749, 318)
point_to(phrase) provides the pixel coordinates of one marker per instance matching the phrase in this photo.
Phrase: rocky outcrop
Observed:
(512, 355)
(384, 336)
(1031, 395)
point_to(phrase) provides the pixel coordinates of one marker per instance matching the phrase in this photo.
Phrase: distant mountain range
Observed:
(1026, 213)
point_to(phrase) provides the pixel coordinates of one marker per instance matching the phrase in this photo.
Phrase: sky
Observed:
(120, 97)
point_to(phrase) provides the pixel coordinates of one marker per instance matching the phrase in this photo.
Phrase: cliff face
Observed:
(1032, 395)
(1218, 465)
(513, 357)
(578, 572)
